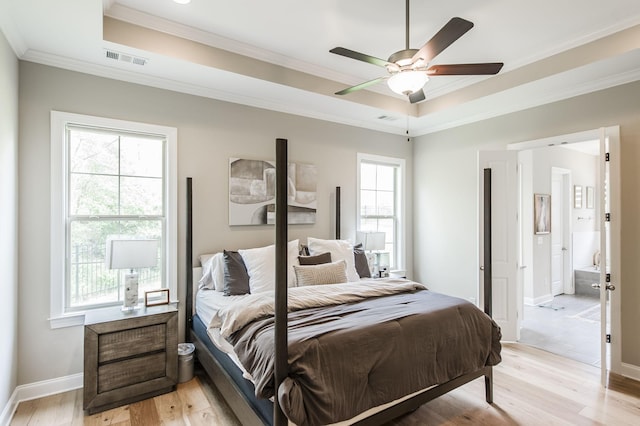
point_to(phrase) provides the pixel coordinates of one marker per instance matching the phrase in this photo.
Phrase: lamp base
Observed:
(130, 292)
(372, 260)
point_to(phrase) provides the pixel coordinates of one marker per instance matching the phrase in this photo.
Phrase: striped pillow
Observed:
(326, 273)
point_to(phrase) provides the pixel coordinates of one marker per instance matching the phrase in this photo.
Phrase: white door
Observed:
(608, 201)
(504, 237)
(558, 249)
(609, 204)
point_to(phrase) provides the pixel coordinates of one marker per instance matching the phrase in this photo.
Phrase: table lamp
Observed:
(131, 253)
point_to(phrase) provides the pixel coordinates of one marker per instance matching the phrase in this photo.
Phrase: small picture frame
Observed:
(577, 197)
(156, 297)
(589, 197)
(542, 213)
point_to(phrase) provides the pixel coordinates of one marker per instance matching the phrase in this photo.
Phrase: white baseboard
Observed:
(39, 390)
(631, 371)
(547, 298)
(9, 409)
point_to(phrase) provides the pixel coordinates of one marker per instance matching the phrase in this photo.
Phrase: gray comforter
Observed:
(347, 358)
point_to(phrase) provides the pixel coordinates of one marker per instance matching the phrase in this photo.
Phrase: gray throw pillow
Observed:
(362, 265)
(315, 260)
(236, 278)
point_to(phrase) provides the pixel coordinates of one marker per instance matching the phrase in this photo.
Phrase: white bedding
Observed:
(208, 302)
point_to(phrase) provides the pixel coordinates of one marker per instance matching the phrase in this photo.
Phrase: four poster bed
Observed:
(360, 352)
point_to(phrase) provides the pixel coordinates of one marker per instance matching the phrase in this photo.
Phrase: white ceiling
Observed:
(551, 49)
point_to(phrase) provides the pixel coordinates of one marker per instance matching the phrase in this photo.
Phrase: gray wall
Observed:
(8, 220)
(446, 191)
(209, 133)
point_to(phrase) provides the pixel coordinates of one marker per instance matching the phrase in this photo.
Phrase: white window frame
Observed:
(401, 196)
(59, 163)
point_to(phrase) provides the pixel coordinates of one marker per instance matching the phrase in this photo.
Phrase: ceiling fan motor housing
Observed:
(403, 58)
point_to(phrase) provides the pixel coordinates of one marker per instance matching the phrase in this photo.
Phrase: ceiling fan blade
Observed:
(453, 30)
(416, 97)
(359, 56)
(361, 86)
(489, 68)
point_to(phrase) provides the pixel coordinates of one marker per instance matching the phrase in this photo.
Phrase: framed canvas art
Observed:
(589, 197)
(252, 192)
(542, 213)
(577, 197)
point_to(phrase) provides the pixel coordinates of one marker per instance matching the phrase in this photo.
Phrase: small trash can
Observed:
(185, 361)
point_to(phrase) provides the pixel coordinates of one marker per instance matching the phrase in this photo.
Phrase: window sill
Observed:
(70, 320)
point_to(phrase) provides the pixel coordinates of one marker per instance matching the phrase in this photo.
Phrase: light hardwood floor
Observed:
(531, 387)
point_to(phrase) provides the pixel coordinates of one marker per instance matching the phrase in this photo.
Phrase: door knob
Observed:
(610, 287)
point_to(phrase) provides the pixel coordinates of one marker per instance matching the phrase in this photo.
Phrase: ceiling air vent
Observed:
(112, 55)
(387, 118)
(123, 57)
(139, 61)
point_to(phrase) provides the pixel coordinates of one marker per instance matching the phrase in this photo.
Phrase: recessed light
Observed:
(182, 1)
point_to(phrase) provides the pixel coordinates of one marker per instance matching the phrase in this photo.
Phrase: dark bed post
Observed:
(488, 273)
(189, 264)
(281, 350)
(337, 212)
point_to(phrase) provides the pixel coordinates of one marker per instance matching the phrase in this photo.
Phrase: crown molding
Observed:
(202, 91)
(547, 96)
(136, 17)
(420, 126)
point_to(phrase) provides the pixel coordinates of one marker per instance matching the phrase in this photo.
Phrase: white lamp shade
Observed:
(407, 82)
(131, 253)
(371, 240)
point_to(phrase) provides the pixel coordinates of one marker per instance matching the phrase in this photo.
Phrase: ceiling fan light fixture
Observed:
(407, 82)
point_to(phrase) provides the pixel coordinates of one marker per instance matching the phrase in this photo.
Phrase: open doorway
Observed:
(561, 310)
(518, 238)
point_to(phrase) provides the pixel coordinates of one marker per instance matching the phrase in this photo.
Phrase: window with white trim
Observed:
(381, 182)
(109, 178)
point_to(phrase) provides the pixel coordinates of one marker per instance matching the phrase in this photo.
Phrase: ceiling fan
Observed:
(409, 69)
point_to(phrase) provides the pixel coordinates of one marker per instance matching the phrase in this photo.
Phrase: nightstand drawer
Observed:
(131, 371)
(135, 341)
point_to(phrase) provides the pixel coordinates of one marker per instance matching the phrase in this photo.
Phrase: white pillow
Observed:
(212, 272)
(339, 249)
(324, 273)
(261, 266)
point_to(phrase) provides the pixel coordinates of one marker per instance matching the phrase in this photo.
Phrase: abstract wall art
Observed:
(542, 213)
(252, 192)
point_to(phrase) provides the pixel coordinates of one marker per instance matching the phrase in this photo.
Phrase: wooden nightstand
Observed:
(129, 356)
